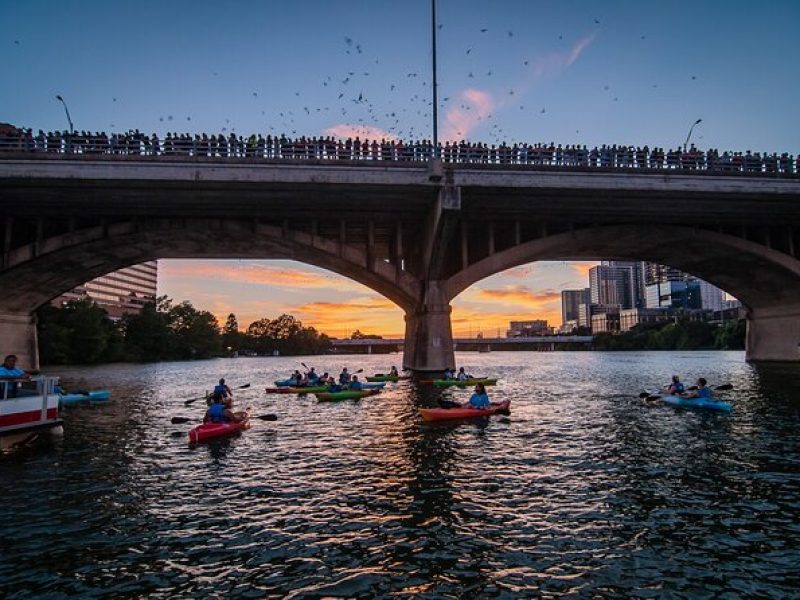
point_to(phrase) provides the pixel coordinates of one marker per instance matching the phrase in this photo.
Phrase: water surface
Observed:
(584, 490)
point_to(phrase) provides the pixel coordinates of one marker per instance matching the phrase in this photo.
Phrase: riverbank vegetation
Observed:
(679, 335)
(81, 332)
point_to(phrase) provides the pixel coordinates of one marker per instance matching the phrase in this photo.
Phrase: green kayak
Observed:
(454, 382)
(345, 395)
(395, 378)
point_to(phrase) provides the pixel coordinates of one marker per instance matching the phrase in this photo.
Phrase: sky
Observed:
(517, 71)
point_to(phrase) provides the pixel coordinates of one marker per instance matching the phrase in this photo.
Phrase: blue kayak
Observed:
(707, 403)
(76, 397)
(373, 386)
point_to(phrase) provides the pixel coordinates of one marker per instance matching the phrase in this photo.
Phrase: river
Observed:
(584, 490)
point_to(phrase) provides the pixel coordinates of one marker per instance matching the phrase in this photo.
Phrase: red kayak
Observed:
(208, 431)
(445, 414)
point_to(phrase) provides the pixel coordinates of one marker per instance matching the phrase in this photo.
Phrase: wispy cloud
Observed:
(255, 274)
(520, 295)
(474, 106)
(347, 130)
(581, 269)
(369, 314)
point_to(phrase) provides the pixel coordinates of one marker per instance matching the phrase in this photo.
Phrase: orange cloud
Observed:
(468, 322)
(256, 275)
(476, 105)
(346, 130)
(520, 295)
(369, 314)
(582, 269)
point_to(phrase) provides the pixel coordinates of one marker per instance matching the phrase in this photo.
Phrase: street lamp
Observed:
(690, 134)
(435, 91)
(71, 128)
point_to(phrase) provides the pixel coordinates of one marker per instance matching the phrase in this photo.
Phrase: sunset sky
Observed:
(520, 71)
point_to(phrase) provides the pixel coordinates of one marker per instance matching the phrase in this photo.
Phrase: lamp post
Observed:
(71, 128)
(435, 91)
(690, 134)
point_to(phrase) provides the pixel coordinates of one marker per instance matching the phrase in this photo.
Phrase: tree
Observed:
(231, 336)
(147, 334)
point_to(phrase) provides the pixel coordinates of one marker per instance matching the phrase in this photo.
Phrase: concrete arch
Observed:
(760, 277)
(69, 260)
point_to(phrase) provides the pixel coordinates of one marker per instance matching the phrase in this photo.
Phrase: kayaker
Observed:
(676, 387)
(480, 399)
(297, 377)
(393, 372)
(222, 391)
(312, 376)
(701, 392)
(355, 384)
(333, 386)
(344, 377)
(462, 375)
(13, 374)
(220, 412)
(448, 374)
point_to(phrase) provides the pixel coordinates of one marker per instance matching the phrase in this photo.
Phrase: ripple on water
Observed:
(583, 490)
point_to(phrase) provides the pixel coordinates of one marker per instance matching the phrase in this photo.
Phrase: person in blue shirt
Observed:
(675, 387)
(355, 384)
(448, 374)
(222, 391)
(220, 412)
(701, 392)
(480, 399)
(13, 374)
(462, 375)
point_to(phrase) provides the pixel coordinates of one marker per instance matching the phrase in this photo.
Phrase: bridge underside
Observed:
(418, 236)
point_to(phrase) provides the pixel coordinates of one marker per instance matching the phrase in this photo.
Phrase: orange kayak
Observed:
(208, 431)
(445, 414)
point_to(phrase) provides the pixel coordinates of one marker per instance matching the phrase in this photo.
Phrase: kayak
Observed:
(75, 397)
(464, 383)
(446, 414)
(373, 386)
(311, 389)
(345, 395)
(208, 431)
(392, 378)
(286, 382)
(707, 403)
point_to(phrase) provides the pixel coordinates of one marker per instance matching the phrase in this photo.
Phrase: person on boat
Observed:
(344, 377)
(480, 399)
(220, 411)
(676, 387)
(355, 384)
(462, 375)
(700, 392)
(297, 377)
(312, 376)
(221, 391)
(10, 372)
(448, 374)
(393, 372)
(333, 386)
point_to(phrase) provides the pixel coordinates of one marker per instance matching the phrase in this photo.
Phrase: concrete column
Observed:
(428, 345)
(18, 336)
(774, 334)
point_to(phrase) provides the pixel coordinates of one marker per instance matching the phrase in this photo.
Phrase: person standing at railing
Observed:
(11, 375)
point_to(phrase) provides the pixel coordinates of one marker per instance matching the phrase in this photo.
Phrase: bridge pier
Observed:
(18, 336)
(428, 345)
(773, 334)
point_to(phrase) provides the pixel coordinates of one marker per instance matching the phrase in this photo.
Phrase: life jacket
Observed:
(216, 413)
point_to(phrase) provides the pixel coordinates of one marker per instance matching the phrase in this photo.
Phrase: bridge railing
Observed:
(257, 147)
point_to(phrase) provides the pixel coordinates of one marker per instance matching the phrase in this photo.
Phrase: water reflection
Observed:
(582, 490)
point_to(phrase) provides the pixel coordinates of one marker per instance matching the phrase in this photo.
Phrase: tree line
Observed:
(678, 335)
(81, 332)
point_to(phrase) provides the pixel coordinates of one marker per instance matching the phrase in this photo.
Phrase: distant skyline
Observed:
(515, 71)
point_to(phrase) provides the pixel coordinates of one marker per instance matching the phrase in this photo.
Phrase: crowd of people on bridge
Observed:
(269, 147)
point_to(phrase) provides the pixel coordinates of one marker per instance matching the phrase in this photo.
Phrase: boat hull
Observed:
(449, 414)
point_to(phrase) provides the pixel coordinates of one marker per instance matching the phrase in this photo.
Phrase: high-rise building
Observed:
(711, 297)
(570, 303)
(655, 273)
(118, 292)
(613, 285)
(675, 294)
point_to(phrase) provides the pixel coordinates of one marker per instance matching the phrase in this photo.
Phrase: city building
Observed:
(118, 292)
(607, 321)
(674, 294)
(592, 310)
(711, 297)
(612, 284)
(528, 328)
(571, 301)
(630, 317)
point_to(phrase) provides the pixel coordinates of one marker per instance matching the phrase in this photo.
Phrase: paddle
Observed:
(267, 417)
(193, 400)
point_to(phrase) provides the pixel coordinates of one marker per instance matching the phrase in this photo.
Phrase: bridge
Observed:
(418, 233)
(541, 342)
